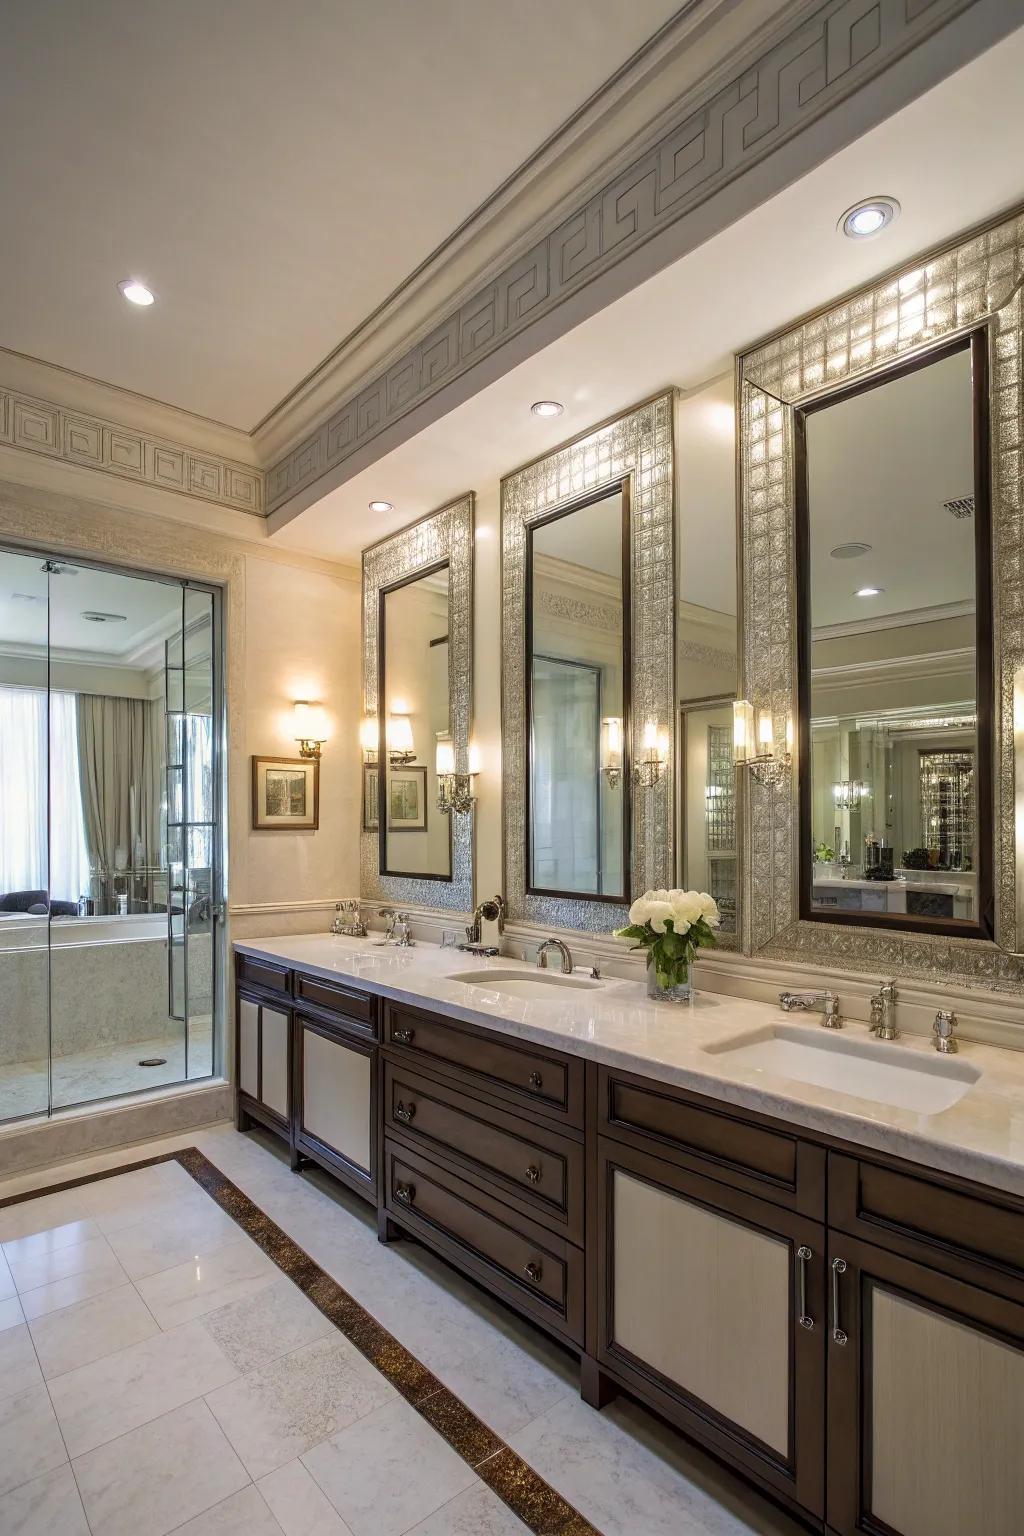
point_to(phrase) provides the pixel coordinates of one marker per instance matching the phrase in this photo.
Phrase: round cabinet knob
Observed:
(533, 1173)
(532, 1272)
(404, 1111)
(404, 1193)
(536, 1082)
(403, 1036)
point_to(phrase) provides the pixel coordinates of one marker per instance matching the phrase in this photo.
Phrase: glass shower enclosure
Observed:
(111, 817)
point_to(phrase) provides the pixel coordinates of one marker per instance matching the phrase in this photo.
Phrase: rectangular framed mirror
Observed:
(415, 838)
(894, 647)
(579, 785)
(416, 847)
(588, 673)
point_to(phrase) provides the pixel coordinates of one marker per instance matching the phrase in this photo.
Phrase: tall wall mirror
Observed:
(580, 784)
(416, 846)
(895, 647)
(881, 561)
(587, 669)
(415, 838)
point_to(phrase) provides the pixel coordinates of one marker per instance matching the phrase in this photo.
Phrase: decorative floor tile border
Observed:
(533, 1501)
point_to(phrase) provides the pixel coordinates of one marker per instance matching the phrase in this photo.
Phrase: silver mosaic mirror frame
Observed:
(446, 534)
(639, 446)
(975, 282)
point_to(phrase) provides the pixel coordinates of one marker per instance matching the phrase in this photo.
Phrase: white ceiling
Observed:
(590, 539)
(879, 467)
(273, 171)
(943, 156)
(151, 609)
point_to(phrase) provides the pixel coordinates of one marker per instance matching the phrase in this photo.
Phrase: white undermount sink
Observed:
(525, 983)
(881, 1071)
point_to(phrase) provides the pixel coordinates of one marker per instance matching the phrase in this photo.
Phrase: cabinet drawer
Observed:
(712, 1139)
(262, 973)
(348, 1002)
(547, 1082)
(533, 1269)
(969, 1232)
(533, 1168)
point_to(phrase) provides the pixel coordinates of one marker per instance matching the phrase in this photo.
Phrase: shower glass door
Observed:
(110, 833)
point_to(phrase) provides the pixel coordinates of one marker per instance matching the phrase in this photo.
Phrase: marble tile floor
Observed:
(104, 1071)
(158, 1374)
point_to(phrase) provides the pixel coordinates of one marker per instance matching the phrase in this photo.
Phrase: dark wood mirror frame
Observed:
(382, 747)
(983, 928)
(602, 493)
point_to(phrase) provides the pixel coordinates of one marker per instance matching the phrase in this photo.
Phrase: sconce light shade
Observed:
(454, 790)
(742, 730)
(611, 749)
(309, 724)
(399, 734)
(653, 755)
(758, 753)
(445, 757)
(368, 737)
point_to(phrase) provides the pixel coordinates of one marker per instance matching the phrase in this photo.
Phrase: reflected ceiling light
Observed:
(869, 218)
(849, 551)
(381, 506)
(136, 292)
(94, 616)
(547, 408)
(869, 592)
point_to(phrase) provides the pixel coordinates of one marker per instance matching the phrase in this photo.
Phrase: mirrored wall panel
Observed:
(896, 647)
(415, 837)
(579, 718)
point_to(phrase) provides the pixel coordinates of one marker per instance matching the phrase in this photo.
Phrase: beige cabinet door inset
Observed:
(705, 1300)
(336, 1096)
(946, 1417)
(275, 1060)
(249, 1047)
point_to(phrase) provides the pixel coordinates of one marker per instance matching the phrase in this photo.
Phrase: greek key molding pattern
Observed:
(39, 426)
(977, 282)
(444, 535)
(811, 66)
(638, 445)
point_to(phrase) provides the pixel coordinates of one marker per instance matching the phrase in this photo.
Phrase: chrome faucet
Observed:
(883, 1012)
(563, 950)
(494, 912)
(400, 931)
(825, 1003)
(944, 1030)
(389, 932)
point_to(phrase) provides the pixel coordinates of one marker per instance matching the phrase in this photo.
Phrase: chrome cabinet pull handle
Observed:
(404, 1193)
(404, 1111)
(804, 1257)
(838, 1268)
(532, 1272)
(536, 1081)
(533, 1173)
(403, 1036)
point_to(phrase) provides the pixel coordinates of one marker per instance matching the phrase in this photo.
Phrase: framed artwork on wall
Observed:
(285, 794)
(407, 800)
(371, 798)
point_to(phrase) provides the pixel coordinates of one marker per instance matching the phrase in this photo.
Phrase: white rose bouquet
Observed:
(671, 926)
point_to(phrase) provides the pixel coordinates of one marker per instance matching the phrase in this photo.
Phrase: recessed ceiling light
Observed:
(869, 218)
(849, 551)
(869, 592)
(94, 616)
(547, 408)
(136, 292)
(381, 506)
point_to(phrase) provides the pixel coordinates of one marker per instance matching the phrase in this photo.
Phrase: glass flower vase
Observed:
(680, 993)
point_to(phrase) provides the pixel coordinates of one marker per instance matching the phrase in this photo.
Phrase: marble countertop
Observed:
(980, 1137)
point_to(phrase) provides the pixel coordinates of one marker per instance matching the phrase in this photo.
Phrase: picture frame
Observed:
(371, 797)
(285, 794)
(407, 799)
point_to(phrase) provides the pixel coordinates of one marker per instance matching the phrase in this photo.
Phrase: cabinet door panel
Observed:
(926, 1401)
(274, 1039)
(337, 1096)
(249, 1047)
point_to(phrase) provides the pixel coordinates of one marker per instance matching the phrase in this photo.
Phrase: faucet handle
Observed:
(944, 1030)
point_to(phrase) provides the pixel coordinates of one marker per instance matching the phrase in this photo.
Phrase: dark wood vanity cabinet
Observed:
(844, 1328)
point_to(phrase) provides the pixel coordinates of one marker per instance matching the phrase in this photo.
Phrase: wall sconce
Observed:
(758, 754)
(611, 749)
(654, 756)
(849, 793)
(369, 739)
(399, 740)
(310, 725)
(454, 790)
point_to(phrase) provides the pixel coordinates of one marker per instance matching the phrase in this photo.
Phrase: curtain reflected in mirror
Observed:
(579, 781)
(896, 649)
(415, 836)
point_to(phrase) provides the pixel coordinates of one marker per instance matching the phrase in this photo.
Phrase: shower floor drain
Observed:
(153, 1061)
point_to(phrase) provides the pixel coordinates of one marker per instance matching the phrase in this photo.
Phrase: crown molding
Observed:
(757, 111)
(896, 669)
(904, 619)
